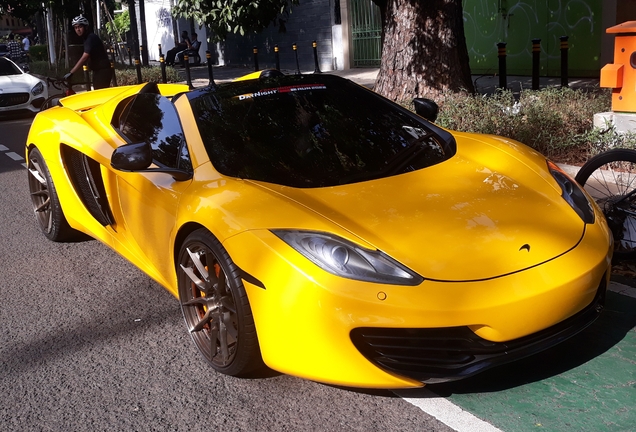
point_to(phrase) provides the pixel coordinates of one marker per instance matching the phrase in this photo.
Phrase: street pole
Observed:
(144, 37)
(133, 28)
(49, 35)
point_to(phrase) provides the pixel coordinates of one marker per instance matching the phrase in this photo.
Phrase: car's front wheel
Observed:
(46, 203)
(215, 306)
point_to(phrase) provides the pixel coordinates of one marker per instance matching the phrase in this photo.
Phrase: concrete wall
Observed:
(309, 21)
(160, 30)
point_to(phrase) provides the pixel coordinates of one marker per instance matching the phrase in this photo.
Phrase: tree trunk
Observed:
(424, 51)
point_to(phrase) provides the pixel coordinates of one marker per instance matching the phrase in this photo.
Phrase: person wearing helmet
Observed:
(94, 53)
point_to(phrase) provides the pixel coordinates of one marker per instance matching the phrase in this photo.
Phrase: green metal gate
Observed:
(517, 22)
(366, 30)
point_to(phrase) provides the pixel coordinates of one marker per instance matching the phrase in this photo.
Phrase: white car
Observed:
(19, 91)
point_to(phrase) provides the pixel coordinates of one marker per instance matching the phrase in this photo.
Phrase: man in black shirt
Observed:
(95, 52)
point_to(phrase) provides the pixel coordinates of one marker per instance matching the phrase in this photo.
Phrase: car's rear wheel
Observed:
(215, 306)
(45, 201)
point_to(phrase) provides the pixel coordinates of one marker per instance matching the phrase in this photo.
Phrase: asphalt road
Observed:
(88, 342)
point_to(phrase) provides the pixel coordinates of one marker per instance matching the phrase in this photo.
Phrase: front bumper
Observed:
(306, 318)
(448, 354)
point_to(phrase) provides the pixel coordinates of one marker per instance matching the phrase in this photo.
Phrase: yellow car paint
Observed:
(463, 225)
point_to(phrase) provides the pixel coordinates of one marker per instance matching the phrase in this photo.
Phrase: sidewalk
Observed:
(484, 84)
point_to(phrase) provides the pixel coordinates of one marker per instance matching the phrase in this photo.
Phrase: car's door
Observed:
(148, 200)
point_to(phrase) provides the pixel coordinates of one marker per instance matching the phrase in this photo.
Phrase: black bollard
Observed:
(536, 63)
(503, 77)
(87, 78)
(186, 61)
(129, 56)
(316, 68)
(295, 48)
(208, 57)
(160, 53)
(255, 51)
(277, 56)
(564, 61)
(162, 63)
(138, 67)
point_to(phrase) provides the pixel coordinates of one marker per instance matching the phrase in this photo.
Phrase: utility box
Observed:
(620, 76)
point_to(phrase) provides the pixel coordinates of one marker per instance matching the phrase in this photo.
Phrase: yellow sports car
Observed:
(310, 225)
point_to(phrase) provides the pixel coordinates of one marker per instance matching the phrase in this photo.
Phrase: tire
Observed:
(610, 178)
(215, 306)
(45, 201)
(50, 102)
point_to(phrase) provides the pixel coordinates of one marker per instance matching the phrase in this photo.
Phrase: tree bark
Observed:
(424, 51)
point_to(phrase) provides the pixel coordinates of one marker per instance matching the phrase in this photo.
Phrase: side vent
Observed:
(87, 180)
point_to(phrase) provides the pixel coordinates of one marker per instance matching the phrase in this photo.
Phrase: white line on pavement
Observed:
(445, 411)
(457, 418)
(14, 156)
(3, 148)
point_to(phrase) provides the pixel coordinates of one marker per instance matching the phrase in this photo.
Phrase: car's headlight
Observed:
(572, 193)
(343, 258)
(37, 89)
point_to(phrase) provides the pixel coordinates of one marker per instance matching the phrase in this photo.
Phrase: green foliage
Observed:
(121, 25)
(557, 122)
(128, 76)
(223, 17)
(45, 69)
(124, 75)
(38, 53)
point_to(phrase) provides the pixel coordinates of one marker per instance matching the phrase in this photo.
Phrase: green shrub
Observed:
(124, 75)
(44, 68)
(38, 53)
(557, 122)
(128, 76)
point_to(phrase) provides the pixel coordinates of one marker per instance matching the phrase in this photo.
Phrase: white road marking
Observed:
(457, 418)
(3, 148)
(445, 411)
(14, 156)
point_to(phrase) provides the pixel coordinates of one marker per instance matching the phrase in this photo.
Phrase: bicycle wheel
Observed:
(610, 178)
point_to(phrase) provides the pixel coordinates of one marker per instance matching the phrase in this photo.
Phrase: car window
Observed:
(7, 68)
(152, 118)
(312, 132)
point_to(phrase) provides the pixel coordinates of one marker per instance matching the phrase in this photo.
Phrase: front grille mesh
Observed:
(12, 99)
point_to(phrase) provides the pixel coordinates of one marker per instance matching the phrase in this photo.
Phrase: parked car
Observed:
(309, 224)
(20, 92)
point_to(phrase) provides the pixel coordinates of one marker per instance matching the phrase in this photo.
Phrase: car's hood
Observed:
(490, 210)
(17, 83)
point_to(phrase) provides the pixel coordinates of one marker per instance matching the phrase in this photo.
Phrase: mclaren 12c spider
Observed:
(311, 226)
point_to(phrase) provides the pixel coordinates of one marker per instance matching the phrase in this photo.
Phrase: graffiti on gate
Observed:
(487, 22)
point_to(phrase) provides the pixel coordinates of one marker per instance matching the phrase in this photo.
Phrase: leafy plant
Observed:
(223, 17)
(148, 74)
(557, 122)
(120, 25)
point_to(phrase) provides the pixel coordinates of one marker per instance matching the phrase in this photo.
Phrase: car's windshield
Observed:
(313, 131)
(7, 68)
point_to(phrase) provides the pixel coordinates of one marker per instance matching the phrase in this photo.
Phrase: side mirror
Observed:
(426, 108)
(132, 157)
(138, 157)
